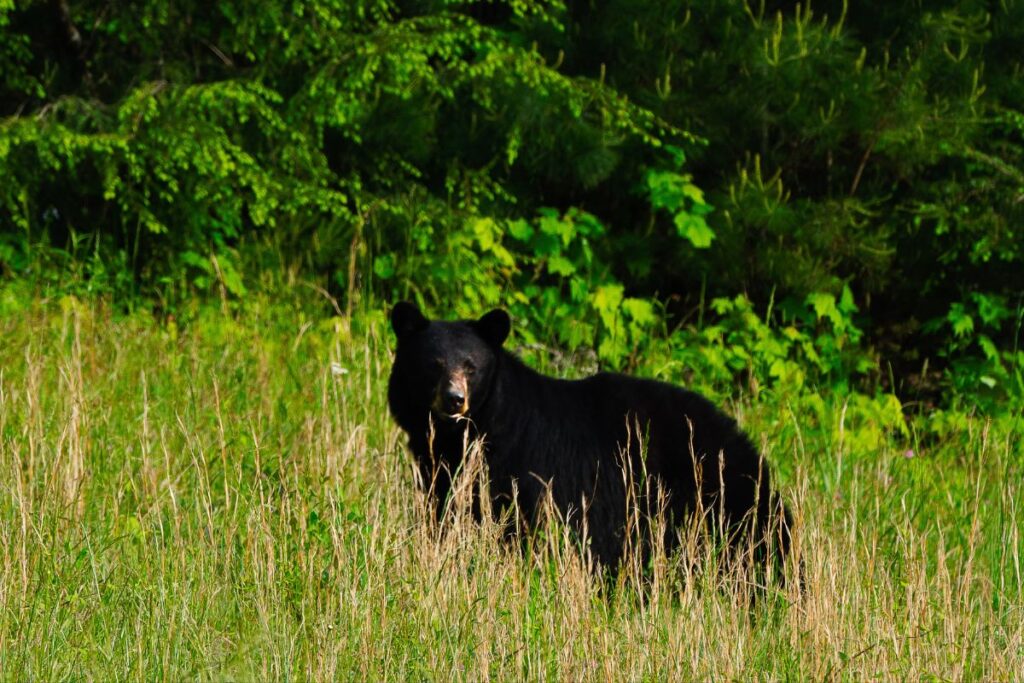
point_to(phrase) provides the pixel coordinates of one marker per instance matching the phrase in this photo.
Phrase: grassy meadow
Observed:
(222, 495)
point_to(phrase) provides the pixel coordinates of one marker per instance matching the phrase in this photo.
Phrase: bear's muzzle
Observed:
(452, 397)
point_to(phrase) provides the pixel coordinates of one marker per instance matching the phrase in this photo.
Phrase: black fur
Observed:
(570, 436)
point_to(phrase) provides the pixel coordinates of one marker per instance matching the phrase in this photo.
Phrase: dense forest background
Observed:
(769, 194)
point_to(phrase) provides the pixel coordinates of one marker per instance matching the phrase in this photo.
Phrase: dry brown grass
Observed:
(215, 503)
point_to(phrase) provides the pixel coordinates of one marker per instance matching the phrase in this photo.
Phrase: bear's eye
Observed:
(470, 367)
(437, 364)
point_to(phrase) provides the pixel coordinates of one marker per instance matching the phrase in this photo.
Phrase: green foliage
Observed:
(329, 126)
(800, 346)
(675, 193)
(549, 271)
(599, 167)
(978, 367)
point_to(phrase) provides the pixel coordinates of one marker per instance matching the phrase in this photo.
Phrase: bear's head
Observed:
(445, 367)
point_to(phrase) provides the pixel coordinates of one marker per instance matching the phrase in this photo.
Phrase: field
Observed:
(222, 495)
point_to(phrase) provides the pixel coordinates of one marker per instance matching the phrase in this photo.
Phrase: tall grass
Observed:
(228, 499)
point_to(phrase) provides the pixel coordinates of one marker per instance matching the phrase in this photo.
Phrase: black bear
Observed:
(584, 443)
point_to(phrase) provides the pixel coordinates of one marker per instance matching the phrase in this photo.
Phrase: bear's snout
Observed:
(452, 399)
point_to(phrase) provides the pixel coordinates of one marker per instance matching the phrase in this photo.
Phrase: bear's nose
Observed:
(453, 400)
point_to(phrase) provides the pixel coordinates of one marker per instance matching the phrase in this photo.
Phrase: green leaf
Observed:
(485, 231)
(846, 302)
(824, 306)
(193, 259)
(992, 309)
(694, 193)
(695, 229)
(559, 265)
(641, 311)
(556, 226)
(988, 347)
(960, 321)
(520, 230)
(606, 302)
(677, 154)
(384, 266)
(231, 277)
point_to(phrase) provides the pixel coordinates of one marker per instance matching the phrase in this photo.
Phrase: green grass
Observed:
(209, 500)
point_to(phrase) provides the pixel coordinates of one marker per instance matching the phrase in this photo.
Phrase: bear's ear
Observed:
(406, 319)
(494, 327)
